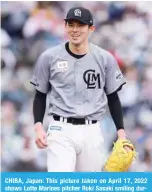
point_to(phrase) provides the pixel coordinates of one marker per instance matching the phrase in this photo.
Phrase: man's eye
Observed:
(70, 24)
(81, 25)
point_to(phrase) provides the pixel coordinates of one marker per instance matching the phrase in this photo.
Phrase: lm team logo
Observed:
(92, 79)
(77, 12)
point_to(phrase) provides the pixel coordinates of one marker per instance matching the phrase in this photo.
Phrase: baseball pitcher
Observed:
(82, 80)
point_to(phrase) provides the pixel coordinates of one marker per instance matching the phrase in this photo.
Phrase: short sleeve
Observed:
(114, 79)
(41, 74)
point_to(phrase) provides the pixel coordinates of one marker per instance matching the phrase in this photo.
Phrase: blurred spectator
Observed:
(144, 165)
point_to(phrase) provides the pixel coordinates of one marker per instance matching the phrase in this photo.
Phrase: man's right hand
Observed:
(41, 136)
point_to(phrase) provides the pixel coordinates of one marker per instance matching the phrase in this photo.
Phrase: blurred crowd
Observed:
(29, 28)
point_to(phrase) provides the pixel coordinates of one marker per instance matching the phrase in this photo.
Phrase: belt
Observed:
(74, 121)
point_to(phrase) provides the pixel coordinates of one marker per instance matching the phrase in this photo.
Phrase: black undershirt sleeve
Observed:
(39, 106)
(115, 110)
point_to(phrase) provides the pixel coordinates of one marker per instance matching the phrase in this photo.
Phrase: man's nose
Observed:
(75, 28)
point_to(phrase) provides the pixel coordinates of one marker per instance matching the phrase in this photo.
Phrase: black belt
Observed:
(74, 121)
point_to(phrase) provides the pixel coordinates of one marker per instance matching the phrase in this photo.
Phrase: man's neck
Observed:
(80, 49)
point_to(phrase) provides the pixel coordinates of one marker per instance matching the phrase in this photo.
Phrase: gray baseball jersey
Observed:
(78, 86)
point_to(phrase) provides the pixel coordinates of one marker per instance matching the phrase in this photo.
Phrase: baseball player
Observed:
(81, 79)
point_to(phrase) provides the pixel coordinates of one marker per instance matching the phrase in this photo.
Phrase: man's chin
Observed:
(76, 43)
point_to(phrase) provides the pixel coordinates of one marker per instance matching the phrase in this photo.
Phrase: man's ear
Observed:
(92, 28)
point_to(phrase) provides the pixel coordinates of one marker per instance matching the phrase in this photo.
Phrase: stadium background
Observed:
(28, 28)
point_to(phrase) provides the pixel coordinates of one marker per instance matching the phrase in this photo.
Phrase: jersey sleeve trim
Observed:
(116, 90)
(32, 83)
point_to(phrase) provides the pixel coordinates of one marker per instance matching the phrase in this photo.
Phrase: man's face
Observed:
(77, 32)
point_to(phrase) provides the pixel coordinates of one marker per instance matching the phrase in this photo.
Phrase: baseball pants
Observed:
(74, 147)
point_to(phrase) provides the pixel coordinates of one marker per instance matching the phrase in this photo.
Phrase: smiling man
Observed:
(82, 79)
(79, 24)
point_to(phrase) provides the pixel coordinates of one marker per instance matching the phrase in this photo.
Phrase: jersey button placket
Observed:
(77, 87)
